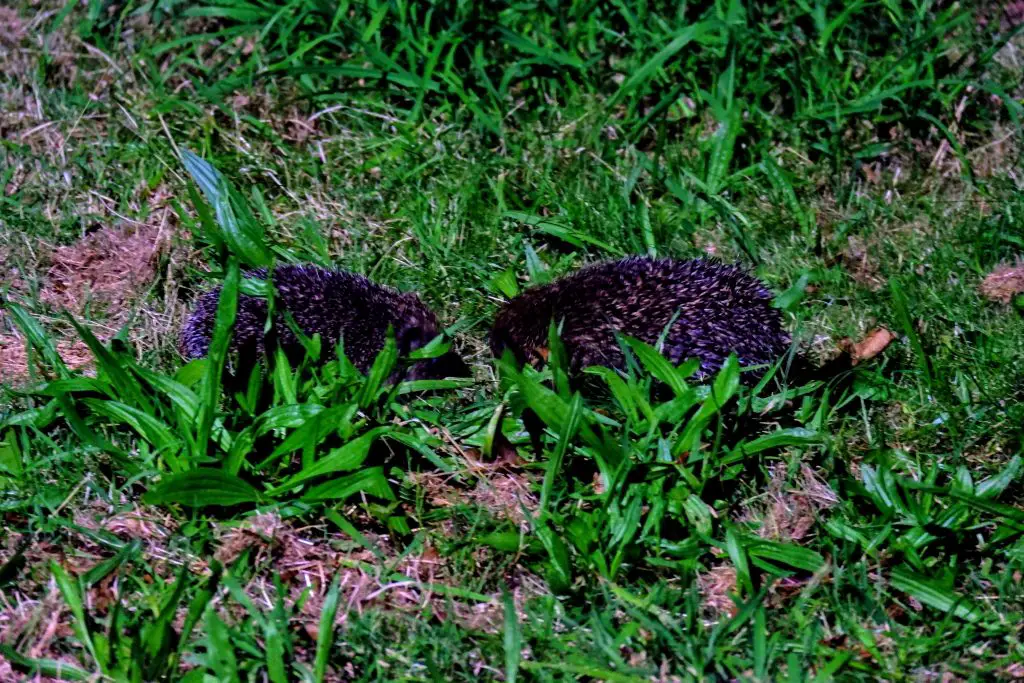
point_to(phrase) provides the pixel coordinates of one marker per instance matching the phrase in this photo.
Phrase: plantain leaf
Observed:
(202, 488)
(930, 593)
(370, 480)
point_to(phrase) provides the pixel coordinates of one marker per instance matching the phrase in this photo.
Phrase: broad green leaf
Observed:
(241, 234)
(148, 427)
(505, 541)
(224, 322)
(786, 554)
(657, 365)
(313, 432)
(559, 568)
(382, 366)
(699, 514)
(996, 484)
(929, 593)
(287, 417)
(342, 459)
(780, 438)
(566, 432)
(71, 590)
(202, 488)
(220, 650)
(370, 480)
(126, 386)
(61, 671)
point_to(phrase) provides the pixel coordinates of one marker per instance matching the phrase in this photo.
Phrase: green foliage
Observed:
(859, 155)
(290, 433)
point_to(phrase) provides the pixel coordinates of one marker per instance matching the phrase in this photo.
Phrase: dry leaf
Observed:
(873, 344)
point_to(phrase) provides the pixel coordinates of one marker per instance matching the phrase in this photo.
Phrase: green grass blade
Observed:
(325, 633)
(513, 639)
(70, 589)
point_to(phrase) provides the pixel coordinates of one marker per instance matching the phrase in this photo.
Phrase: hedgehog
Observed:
(699, 308)
(340, 306)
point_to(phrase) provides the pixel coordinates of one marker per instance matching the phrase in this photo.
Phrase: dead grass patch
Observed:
(14, 357)
(862, 264)
(308, 559)
(12, 28)
(1004, 283)
(503, 493)
(107, 268)
(716, 586)
(789, 513)
(34, 619)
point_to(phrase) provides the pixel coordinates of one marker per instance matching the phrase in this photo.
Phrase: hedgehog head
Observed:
(415, 327)
(522, 325)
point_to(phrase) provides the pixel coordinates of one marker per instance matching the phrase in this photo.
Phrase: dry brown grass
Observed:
(105, 273)
(716, 587)
(504, 493)
(106, 269)
(783, 513)
(861, 260)
(308, 559)
(789, 513)
(14, 357)
(1004, 283)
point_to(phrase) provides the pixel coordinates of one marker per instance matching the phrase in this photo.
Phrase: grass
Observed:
(863, 158)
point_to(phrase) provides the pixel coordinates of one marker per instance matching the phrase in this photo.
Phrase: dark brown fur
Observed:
(717, 309)
(340, 306)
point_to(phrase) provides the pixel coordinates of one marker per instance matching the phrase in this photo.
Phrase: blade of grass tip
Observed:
(224, 323)
(513, 639)
(62, 671)
(722, 151)
(738, 555)
(196, 609)
(37, 338)
(650, 68)
(382, 366)
(899, 299)
(325, 634)
(828, 672)
(73, 598)
(554, 468)
(760, 635)
(645, 228)
(244, 237)
(128, 389)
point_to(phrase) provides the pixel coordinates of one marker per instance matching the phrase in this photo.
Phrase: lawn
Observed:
(318, 524)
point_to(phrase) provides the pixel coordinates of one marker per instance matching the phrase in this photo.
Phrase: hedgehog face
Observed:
(447, 365)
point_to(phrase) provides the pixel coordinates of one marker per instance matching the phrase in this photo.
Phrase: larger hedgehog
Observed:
(704, 309)
(340, 306)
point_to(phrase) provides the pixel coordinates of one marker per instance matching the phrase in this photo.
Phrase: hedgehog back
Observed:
(335, 304)
(718, 309)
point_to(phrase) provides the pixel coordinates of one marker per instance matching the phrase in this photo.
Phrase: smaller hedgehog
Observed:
(704, 309)
(340, 306)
